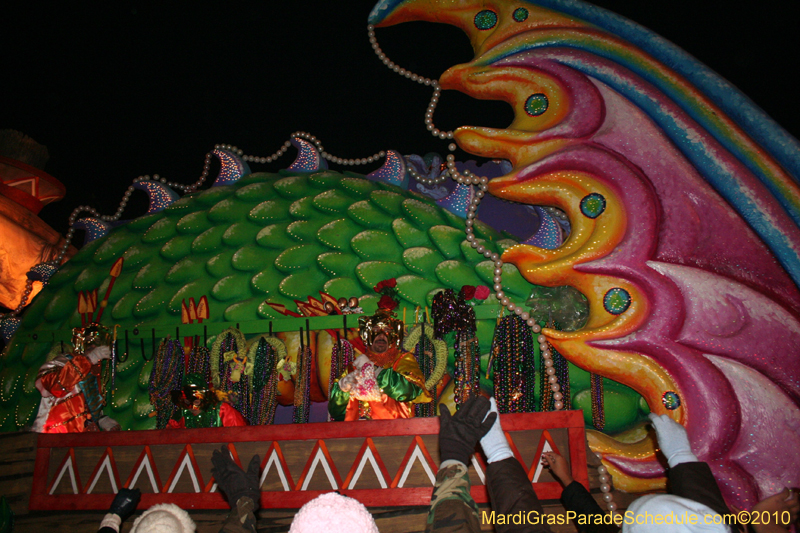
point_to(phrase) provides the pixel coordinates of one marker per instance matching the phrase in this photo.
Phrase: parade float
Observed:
(658, 272)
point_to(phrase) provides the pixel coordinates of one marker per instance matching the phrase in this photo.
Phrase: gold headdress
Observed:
(383, 321)
(93, 334)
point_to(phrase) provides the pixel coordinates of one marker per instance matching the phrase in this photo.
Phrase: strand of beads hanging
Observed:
(320, 148)
(265, 383)
(302, 391)
(552, 378)
(598, 405)
(199, 362)
(342, 356)
(514, 365)
(437, 91)
(606, 487)
(165, 377)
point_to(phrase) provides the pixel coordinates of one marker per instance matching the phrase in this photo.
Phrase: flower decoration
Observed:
(467, 292)
(482, 292)
(388, 291)
(387, 302)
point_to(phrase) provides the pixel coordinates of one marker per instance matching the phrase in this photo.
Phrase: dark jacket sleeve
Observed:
(696, 482)
(510, 492)
(577, 499)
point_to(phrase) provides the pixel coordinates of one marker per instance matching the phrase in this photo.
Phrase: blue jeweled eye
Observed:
(520, 14)
(486, 20)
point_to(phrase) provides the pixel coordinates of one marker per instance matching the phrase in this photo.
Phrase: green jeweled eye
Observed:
(486, 20)
(536, 104)
(593, 205)
(617, 301)
(520, 14)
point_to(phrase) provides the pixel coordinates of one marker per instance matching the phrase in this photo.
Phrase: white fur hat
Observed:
(164, 518)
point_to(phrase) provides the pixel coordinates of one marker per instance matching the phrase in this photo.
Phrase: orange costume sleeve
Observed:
(61, 383)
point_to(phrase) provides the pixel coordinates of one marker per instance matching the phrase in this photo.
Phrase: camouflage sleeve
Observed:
(452, 507)
(241, 519)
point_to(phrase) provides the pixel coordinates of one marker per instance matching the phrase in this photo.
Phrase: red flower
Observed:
(468, 291)
(387, 283)
(482, 292)
(387, 302)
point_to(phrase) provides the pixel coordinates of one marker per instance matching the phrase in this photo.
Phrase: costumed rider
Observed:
(202, 406)
(73, 394)
(384, 381)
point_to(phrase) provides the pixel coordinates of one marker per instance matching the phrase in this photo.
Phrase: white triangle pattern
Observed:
(186, 464)
(68, 466)
(145, 464)
(274, 460)
(107, 467)
(540, 466)
(319, 458)
(368, 456)
(417, 454)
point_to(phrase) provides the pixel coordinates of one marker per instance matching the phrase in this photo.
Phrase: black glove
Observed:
(460, 433)
(232, 480)
(125, 502)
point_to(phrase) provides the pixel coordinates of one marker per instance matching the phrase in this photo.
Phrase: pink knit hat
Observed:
(332, 512)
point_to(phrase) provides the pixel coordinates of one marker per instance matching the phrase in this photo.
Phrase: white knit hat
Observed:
(333, 512)
(674, 515)
(164, 518)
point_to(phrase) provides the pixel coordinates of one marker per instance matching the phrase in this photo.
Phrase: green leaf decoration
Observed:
(220, 265)
(447, 240)
(177, 247)
(113, 246)
(243, 311)
(195, 289)
(154, 301)
(298, 257)
(240, 233)
(123, 309)
(305, 230)
(253, 257)
(149, 275)
(324, 179)
(303, 208)
(193, 223)
(235, 287)
(408, 235)
(343, 288)
(337, 234)
(213, 196)
(422, 260)
(137, 254)
(415, 289)
(513, 282)
(267, 281)
(140, 224)
(376, 245)
(227, 210)
(210, 240)
(471, 254)
(455, 274)
(187, 269)
(337, 264)
(274, 236)
(358, 187)
(369, 216)
(161, 231)
(292, 187)
(301, 284)
(421, 214)
(373, 272)
(62, 304)
(389, 201)
(255, 192)
(269, 211)
(333, 201)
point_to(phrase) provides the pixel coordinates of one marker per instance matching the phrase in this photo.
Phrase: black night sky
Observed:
(120, 89)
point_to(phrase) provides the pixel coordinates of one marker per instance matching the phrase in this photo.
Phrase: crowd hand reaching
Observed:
(125, 502)
(95, 355)
(232, 480)
(776, 506)
(558, 467)
(673, 440)
(460, 433)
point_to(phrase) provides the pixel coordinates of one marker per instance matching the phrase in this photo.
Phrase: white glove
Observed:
(673, 440)
(348, 382)
(360, 361)
(107, 423)
(95, 355)
(494, 443)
